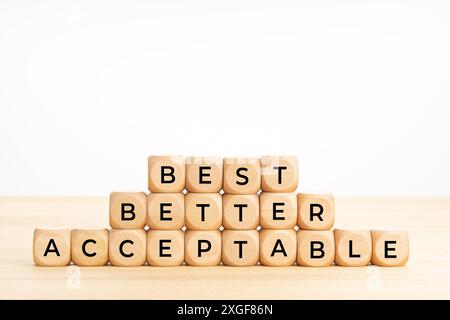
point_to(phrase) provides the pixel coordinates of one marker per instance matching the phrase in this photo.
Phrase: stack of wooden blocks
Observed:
(204, 211)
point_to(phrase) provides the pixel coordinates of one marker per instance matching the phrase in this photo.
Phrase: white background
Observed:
(358, 90)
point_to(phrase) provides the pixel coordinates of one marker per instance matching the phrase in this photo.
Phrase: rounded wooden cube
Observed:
(166, 174)
(240, 248)
(241, 175)
(204, 174)
(277, 248)
(277, 210)
(315, 248)
(389, 248)
(240, 212)
(203, 211)
(279, 173)
(315, 211)
(165, 248)
(51, 248)
(165, 211)
(353, 247)
(202, 248)
(127, 248)
(127, 210)
(90, 247)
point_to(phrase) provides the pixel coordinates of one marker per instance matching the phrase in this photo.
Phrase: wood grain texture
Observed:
(426, 276)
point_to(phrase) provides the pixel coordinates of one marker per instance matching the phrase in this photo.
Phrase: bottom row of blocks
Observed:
(209, 248)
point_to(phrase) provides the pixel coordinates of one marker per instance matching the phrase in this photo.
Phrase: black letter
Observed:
(51, 243)
(322, 253)
(200, 250)
(162, 211)
(167, 174)
(240, 243)
(275, 250)
(318, 214)
(124, 211)
(275, 210)
(240, 206)
(126, 255)
(387, 249)
(161, 248)
(203, 206)
(238, 173)
(83, 248)
(279, 172)
(350, 249)
(203, 174)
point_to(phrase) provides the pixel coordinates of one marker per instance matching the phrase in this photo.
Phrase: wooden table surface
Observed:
(426, 276)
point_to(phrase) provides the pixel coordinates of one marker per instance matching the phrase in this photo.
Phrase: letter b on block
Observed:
(127, 210)
(166, 174)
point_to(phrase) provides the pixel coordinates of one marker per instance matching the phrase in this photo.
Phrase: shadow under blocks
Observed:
(208, 211)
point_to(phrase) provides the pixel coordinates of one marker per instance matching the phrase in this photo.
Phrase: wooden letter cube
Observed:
(202, 248)
(203, 211)
(315, 248)
(278, 210)
(204, 174)
(127, 210)
(165, 248)
(315, 212)
(165, 211)
(241, 175)
(51, 248)
(279, 174)
(277, 248)
(127, 248)
(90, 247)
(390, 248)
(353, 247)
(240, 212)
(240, 248)
(166, 174)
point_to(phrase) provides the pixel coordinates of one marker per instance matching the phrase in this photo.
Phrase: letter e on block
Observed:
(390, 248)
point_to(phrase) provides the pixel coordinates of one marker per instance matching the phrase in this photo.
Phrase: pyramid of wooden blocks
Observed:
(207, 211)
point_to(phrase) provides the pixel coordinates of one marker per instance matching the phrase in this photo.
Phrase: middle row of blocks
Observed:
(210, 211)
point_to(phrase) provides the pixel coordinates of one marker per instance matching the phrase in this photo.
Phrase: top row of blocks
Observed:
(232, 175)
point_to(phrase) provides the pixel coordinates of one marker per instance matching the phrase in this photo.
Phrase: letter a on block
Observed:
(51, 248)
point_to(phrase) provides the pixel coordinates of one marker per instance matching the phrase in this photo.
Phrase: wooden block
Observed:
(204, 174)
(390, 248)
(315, 211)
(127, 210)
(315, 248)
(241, 175)
(127, 248)
(202, 248)
(240, 211)
(51, 248)
(90, 247)
(165, 248)
(279, 173)
(277, 248)
(353, 247)
(240, 248)
(203, 211)
(165, 211)
(278, 210)
(166, 174)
